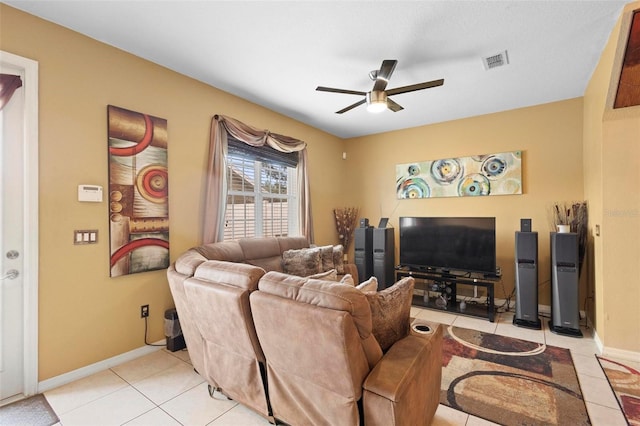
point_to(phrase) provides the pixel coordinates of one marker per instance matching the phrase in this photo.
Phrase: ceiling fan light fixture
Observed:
(376, 101)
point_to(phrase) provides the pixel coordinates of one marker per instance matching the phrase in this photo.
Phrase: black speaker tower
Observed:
(565, 312)
(363, 252)
(526, 255)
(383, 257)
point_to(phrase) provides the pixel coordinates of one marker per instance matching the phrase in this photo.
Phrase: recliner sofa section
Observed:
(299, 350)
(324, 364)
(219, 331)
(210, 285)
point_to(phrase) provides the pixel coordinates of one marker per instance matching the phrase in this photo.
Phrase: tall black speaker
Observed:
(363, 252)
(383, 257)
(527, 280)
(565, 309)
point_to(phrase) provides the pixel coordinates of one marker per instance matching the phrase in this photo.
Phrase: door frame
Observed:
(30, 232)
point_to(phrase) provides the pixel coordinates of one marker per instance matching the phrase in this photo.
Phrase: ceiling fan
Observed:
(378, 98)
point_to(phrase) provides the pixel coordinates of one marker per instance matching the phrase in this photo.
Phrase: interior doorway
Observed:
(19, 233)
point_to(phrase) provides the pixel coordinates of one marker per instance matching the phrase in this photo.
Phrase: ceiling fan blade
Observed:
(393, 106)
(333, 90)
(414, 87)
(350, 107)
(384, 74)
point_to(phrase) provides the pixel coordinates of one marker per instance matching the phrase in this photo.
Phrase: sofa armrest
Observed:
(188, 262)
(351, 268)
(404, 387)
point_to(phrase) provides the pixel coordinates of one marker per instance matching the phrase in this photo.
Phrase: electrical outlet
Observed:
(144, 311)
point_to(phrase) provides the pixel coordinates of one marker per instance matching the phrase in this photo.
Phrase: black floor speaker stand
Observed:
(565, 312)
(363, 252)
(526, 255)
(383, 257)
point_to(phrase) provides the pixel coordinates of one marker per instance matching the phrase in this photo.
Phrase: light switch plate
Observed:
(86, 236)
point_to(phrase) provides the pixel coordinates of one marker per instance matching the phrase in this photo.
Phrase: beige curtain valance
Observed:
(256, 137)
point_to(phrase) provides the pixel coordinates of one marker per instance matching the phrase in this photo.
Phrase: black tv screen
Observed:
(449, 243)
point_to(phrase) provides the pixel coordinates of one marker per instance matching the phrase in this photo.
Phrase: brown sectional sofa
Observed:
(300, 350)
(265, 252)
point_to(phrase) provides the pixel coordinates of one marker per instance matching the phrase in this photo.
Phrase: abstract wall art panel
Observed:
(138, 192)
(628, 93)
(479, 175)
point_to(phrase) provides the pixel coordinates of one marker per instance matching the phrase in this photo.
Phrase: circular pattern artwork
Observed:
(446, 171)
(413, 170)
(151, 182)
(477, 175)
(413, 188)
(494, 167)
(473, 185)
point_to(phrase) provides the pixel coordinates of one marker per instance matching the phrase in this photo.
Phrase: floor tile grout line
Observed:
(183, 392)
(156, 405)
(225, 412)
(141, 414)
(132, 386)
(125, 385)
(150, 375)
(128, 385)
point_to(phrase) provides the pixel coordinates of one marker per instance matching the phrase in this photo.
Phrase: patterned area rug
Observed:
(625, 383)
(510, 381)
(32, 411)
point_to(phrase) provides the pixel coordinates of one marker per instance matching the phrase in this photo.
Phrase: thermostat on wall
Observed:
(90, 193)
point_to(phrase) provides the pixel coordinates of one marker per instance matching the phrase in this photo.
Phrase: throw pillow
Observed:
(302, 262)
(326, 275)
(326, 255)
(338, 258)
(390, 312)
(369, 285)
(348, 279)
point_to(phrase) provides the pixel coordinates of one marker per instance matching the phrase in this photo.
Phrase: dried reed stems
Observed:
(345, 218)
(576, 216)
(573, 214)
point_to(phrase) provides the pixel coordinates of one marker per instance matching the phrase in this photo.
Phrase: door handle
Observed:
(11, 274)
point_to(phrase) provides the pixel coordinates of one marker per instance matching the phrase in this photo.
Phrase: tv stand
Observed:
(439, 290)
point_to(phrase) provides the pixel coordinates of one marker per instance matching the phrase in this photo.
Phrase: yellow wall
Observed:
(85, 316)
(612, 157)
(594, 100)
(550, 138)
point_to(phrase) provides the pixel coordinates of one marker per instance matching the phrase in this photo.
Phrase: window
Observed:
(261, 192)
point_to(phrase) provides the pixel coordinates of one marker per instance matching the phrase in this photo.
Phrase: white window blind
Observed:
(261, 192)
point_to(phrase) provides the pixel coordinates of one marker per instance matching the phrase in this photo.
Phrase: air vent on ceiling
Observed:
(495, 61)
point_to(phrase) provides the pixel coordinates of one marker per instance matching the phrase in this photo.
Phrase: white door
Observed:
(11, 247)
(18, 268)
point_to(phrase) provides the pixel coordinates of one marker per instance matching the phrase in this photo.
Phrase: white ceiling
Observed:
(275, 53)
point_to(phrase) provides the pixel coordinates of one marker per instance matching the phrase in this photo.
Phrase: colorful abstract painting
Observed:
(628, 93)
(479, 175)
(138, 192)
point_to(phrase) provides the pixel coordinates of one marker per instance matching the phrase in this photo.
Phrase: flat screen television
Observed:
(449, 244)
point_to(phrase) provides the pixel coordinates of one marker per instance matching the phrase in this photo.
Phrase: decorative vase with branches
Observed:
(345, 218)
(575, 216)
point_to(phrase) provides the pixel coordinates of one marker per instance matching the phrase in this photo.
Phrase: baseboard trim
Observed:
(83, 372)
(596, 338)
(620, 354)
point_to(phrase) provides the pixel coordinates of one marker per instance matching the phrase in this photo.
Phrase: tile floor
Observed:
(162, 388)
